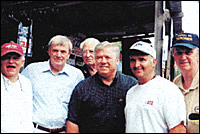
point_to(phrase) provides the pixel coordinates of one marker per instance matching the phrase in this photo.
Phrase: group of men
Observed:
(53, 96)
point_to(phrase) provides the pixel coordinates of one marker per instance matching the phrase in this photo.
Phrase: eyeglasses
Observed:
(87, 51)
(8, 57)
(179, 52)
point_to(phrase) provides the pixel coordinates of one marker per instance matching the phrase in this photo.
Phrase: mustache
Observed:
(136, 68)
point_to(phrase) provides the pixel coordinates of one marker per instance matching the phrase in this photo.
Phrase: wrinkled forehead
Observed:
(182, 48)
(55, 45)
(11, 54)
(106, 51)
(88, 46)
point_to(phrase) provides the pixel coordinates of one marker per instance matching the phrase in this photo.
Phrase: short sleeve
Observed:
(174, 107)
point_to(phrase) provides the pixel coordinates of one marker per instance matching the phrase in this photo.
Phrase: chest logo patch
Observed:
(150, 102)
(196, 109)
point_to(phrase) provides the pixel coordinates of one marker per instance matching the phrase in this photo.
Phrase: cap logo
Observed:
(184, 37)
(196, 109)
(138, 44)
(11, 46)
(150, 102)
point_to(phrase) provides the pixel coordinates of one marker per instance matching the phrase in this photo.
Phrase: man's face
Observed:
(186, 59)
(88, 54)
(142, 66)
(11, 64)
(58, 55)
(106, 62)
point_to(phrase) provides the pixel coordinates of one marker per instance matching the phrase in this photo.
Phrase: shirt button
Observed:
(107, 114)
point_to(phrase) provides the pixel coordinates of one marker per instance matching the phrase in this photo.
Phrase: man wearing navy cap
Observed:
(186, 55)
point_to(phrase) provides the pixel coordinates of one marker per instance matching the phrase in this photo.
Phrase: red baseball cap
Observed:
(11, 47)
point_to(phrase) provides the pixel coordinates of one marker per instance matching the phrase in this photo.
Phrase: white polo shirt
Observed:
(16, 106)
(154, 107)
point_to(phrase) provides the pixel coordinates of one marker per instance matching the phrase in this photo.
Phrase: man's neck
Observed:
(12, 79)
(108, 80)
(188, 77)
(144, 80)
(92, 69)
(56, 70)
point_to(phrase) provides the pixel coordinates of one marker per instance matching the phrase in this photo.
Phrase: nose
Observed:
(58, 54)
(103, 60)
(87, 53)
(11, 60)
(183, 56)
(137, 63)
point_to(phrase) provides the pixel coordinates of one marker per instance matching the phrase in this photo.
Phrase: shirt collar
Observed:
(195, 81)
(47, 68)
(7, 80)
(97, 77)
(194, 84)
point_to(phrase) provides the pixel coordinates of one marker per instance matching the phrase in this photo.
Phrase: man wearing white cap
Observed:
(16, 92)
(154, 105)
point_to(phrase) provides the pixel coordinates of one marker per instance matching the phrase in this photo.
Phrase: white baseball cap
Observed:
(144, 47)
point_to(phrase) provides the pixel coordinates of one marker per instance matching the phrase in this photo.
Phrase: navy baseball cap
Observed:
(188, 40)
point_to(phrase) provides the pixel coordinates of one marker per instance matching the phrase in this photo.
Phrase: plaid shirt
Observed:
(97, 107)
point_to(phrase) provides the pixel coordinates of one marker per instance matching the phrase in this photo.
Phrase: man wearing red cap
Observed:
(16, 92)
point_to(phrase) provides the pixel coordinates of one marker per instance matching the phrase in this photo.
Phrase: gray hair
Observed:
(198, 51)
(151, 58)
(60, 39)
(89, 41)
(23, 57)
(104, 44)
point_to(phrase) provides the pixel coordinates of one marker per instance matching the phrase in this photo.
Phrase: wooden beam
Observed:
(158, 30)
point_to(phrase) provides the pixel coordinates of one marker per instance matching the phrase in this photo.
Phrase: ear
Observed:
(118, 60)
(23, 63)
(49, 51)
(69, 53)
(154, 62)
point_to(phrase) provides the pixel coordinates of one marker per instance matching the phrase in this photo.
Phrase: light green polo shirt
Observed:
(191, 97)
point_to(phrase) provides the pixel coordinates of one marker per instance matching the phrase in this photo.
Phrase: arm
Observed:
(175, 111)
(71, 127)
(178, 129)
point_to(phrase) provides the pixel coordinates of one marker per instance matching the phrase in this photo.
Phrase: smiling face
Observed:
(106, 62)
(11, 64)
(88, 54)
(58, 55)
(186, 59)
(143, 67)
